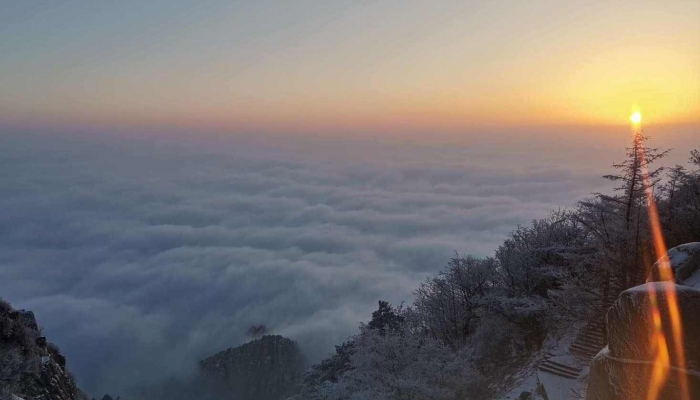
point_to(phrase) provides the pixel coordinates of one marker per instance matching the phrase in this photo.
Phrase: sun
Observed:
(636, 118)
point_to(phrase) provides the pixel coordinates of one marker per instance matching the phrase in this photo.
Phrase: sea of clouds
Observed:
(141, 255)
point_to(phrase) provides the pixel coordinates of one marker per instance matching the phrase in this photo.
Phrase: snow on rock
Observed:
(623, 368)
(630, 325)
(685, 263)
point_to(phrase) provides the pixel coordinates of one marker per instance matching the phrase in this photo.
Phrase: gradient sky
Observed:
(142, 247)
(330, 64)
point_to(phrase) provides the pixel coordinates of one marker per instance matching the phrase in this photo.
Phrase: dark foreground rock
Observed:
(609, 379)
(623, 369)
(269, 368)
(30, 367)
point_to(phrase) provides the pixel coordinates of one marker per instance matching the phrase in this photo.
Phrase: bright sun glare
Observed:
(636, 118)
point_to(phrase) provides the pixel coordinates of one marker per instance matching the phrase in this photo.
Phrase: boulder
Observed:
(622, 370)
(609, 379)
(630, 324)
(684, 260)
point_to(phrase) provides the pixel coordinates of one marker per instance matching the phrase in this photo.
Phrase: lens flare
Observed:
(659, 343)
(662, 360)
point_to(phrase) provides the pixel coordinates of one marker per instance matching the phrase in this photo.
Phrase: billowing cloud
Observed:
(141, 257)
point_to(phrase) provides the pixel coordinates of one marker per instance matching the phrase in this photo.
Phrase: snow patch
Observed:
(678, 259)
(661, 287)
(557, 387)
(529, 385)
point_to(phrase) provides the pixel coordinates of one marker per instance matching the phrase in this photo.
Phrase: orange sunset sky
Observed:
(357, 64)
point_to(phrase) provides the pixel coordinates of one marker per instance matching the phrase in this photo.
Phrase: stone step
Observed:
(594, 330)
(561, 366)
(588, 352)
(589, 343)
(586, 346)
(592, 338)
(585, 350)
(558, 372)
(595, 325)
(584, 355)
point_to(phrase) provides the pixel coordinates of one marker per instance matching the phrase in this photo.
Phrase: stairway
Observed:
(590, 340)
(559, 369)
(587, 344)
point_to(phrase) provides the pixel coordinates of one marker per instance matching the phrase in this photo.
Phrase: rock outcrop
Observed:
(623, 369)
(270, 368)
(31, 368)
(685, 263)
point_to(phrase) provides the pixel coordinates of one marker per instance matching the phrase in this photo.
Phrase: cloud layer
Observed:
(140, 257)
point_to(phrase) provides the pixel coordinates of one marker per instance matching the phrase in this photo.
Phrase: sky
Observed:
(173, 172)
(348, 65)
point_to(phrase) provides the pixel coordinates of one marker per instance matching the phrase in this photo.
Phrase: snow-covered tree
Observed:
(402, 366)
(537, 258)
(543, 274)
(448, 304)
(330, 369)
(680, 206)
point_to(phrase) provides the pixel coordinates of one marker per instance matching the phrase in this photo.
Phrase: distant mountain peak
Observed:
(269, 368)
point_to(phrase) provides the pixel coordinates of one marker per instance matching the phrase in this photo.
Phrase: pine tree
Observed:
(635, 177)
(618, 222)
(386, 318)
(695, 157)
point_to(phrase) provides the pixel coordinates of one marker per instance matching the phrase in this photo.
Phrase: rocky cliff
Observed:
(269, 368)
(30, 367)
